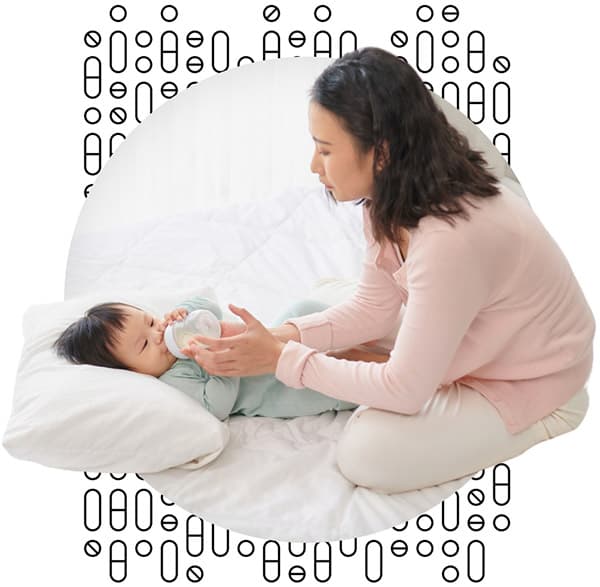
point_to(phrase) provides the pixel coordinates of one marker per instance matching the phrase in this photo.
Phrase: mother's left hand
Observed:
(253, 352)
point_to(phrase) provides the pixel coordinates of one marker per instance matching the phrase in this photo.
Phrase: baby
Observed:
(126, 337)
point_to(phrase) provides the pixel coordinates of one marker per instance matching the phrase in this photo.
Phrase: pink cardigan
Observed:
(491, 303)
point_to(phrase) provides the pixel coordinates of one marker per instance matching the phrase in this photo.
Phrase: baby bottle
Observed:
(178, 334)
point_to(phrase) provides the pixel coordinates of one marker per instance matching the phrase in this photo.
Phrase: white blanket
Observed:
(276, 478)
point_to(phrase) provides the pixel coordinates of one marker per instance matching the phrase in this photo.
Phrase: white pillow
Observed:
(90, 418)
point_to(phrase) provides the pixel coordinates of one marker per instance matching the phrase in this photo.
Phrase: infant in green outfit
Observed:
(126, 337)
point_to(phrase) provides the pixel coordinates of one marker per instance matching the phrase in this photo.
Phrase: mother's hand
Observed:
(231, 328)
(253, 352)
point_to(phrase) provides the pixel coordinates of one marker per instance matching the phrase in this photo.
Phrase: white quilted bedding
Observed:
(263, 254)
(276, 478)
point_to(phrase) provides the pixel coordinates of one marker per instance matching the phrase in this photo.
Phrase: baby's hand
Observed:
(174, 316)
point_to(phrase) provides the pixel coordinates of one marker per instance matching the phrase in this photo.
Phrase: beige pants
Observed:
(457, 433)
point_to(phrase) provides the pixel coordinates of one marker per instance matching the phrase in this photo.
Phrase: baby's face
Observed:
(141, 346)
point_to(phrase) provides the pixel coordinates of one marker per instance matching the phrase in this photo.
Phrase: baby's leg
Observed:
(300, 308)
(320, 403)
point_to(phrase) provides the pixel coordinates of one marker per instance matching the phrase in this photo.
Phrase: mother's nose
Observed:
(315, 163)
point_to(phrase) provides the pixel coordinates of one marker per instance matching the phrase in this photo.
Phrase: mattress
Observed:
(276, 478)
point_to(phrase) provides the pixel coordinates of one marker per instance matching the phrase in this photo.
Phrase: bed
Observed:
(214, 190)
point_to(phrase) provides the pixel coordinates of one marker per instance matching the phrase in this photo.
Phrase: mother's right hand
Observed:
(255, 351)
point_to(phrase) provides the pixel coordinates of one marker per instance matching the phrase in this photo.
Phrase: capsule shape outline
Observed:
(424, 51)
(326, 50)
(480, 548)
(113, 561)
(478, 102)
(354, 547)
(343, 49)
(87, 76)
(271, 544)
(501, 470)
(503, 149)
(368, 557)
(169, 53)
(117, 53)
(501, 98)
(189, 535)
(138, 506)
(455, 90)
(149, 99)
(113, 139)
(318, 561)
(86, 506)
(214, 531)
(90, 154)
(174, 556)
(215, 50)
(119, 509)
(445, 514)
(477, 53)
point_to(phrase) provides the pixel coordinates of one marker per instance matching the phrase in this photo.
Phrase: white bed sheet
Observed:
(276, 478)
(279, 479)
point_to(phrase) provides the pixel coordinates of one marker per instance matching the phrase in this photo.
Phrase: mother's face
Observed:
(336, 160)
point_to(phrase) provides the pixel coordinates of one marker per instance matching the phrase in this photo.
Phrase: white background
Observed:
(554, 126)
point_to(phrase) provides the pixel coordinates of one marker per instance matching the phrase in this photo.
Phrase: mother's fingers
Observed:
(215, 363)
(210, 355)
(246, 316)
(216, 344)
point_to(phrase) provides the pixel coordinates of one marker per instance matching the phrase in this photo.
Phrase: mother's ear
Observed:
(384, 157)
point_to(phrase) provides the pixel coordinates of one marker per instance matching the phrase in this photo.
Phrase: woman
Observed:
(495, 344)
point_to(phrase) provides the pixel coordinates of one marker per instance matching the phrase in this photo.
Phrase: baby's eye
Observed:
(152, 323)
(323, 153)
(145, 345)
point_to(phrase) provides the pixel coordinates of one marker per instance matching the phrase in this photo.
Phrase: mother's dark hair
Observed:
(381, 101)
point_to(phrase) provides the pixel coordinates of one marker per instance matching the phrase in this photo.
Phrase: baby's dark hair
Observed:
(90, 340)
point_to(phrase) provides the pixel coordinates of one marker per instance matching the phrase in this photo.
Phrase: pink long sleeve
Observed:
(444, 298)
(491, 302)
(375, 306)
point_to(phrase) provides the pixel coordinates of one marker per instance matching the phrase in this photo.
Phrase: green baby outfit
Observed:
(260, 395)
